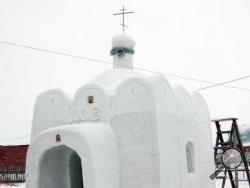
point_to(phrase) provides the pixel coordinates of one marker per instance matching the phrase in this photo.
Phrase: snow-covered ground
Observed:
(218, 185)
(19, 185)
(241, 185)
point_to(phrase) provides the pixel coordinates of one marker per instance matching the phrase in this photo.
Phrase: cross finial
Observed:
(123, 15)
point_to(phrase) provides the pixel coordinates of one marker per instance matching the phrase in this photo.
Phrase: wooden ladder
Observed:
(233, 140)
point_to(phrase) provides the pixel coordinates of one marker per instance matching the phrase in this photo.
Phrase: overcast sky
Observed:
(207, 40)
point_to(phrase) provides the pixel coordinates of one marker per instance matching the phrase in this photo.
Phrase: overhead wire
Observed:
(222, 83)
(193, 79)
(214, 84)
(53, 52)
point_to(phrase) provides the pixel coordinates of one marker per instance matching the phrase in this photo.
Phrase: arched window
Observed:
(190, 155)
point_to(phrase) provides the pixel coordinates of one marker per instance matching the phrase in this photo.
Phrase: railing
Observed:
(12, 175)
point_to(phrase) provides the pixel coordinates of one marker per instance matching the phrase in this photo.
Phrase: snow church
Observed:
(121, 130)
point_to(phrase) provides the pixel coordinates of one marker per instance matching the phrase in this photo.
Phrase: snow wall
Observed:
(122, 130)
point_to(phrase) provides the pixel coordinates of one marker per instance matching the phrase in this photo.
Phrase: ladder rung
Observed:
(225, 143)
(241, 180)
(218, 163)
(220, 177)
(223, 132)
(220, 147)
(225, 119)
(239, 170)
(242, 170)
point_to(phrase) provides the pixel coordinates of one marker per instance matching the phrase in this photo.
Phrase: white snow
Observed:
(126, 60)
(125, 136)
(241, 184)
(123, 40)
(16, 185)
(218, 185)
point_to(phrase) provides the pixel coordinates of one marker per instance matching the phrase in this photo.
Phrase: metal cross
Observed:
(123, 15)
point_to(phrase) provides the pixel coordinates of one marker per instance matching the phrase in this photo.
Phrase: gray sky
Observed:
(207, 40)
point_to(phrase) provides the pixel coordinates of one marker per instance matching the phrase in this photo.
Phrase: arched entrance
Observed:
(61, 167)
(75, 170)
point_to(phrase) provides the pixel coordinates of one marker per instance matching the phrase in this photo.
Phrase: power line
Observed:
(192, 79)
(219, 84)
(54, 52)
(109, 63)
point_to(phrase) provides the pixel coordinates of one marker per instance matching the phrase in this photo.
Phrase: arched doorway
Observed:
(60, 167)
(75, 170)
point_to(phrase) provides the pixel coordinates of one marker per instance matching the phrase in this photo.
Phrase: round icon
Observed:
(231, 158)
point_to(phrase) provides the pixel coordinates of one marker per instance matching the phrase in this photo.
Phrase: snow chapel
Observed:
(121, 130)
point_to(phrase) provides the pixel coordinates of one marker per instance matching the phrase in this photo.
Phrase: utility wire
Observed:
(109, 63)
(219, 84)
(53, 52)
(137, 68)
(215, 85)
(193, 79)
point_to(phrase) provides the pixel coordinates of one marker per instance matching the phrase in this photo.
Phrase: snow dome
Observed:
(121, 130)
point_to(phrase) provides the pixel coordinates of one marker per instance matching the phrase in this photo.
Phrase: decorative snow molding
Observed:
(121, 51)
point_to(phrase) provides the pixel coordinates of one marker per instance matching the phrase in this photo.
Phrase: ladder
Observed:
(229, 139)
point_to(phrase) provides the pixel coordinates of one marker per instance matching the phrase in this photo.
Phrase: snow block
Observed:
(52, 108)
